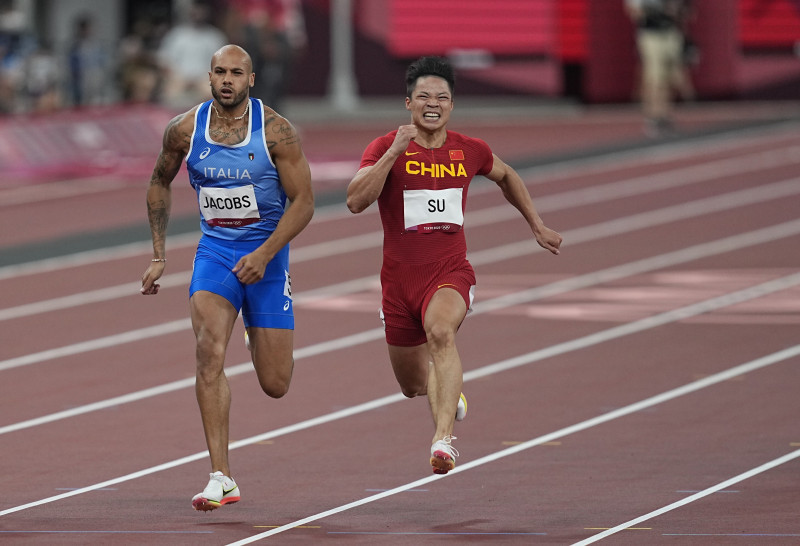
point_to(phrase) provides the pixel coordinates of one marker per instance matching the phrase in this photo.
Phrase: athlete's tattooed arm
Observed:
(174, 146)
(279, 132)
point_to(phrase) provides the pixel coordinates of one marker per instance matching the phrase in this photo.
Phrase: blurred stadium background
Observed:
(341, 58)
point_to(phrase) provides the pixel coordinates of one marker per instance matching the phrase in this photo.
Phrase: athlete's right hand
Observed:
(251, 267)
(405, 134)
(153, 273)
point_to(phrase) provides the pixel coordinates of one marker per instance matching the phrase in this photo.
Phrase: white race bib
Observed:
(429, 211)
(229, 207)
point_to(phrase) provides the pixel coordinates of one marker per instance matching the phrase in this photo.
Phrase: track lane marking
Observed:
(697, 496)
(578, 427)
(502, 252)
(508, 364)
(624, 188)
(703, 250)
(481, 217)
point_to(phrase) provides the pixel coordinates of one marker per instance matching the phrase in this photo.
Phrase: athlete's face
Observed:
(231, 77)
(430, 103)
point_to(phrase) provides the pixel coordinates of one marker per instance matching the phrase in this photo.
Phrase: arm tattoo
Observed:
(169, 160)
(160, 170)
(279, 131)
(158, 214)
(174, 139)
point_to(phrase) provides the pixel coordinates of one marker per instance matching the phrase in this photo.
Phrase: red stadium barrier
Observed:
(122, 140)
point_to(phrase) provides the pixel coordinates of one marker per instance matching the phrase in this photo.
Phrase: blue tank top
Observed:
(239, 192)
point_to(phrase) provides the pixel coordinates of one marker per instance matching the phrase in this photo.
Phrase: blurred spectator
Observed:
(273, 32)
(184, 58)
(16, 42)
(139, 75)
(660, 38)
(89, 66)
(43, 80)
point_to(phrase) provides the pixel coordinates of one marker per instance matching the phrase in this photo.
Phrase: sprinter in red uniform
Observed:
(420, 175)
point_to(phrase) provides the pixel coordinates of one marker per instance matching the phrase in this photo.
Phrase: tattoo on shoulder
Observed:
(174, 146)
(279, 131)
(175, 136)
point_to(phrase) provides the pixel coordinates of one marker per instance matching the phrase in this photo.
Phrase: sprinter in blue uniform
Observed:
(244, 161)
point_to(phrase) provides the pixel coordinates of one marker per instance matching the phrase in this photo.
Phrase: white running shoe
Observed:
(443, 455)
(247, 341)
(461, 412)
(220, 490)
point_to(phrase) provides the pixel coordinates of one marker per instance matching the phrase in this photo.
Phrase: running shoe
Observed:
(220, 490)
(461, 412)
(443, 455)
(247, 340)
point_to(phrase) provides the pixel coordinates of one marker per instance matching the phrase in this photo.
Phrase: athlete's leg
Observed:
(268, 315)
(271, 349)
(213, 318)
(411, 366)
(443, 316)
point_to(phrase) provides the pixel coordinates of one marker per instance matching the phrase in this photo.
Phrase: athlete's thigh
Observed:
(268, 303)
(213, 317)
(446, 310)
(272, 351)
(410, 366)
(211, 271)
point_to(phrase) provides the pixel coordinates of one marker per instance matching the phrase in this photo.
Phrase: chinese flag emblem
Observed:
(457, 155)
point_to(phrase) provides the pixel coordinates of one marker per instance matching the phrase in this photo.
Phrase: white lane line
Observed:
(130, 336)
(561, 348)
(322, 172)
(723, 202)
(495, 214)
(491, 255)
(683, 176)
(697, 496)
(25, 195)
(245, 367)
(88, 257)
(559, 287)
(776, 137)
(645, 184)
(578, 427)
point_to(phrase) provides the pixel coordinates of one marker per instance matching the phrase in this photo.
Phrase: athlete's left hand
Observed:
(549, 239)
(250, 268)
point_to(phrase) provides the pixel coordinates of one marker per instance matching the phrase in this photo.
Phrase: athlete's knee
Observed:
(210, 360)
(275, 384)
(275, 388)
(412, 382)
(440, 336)
(412, 390)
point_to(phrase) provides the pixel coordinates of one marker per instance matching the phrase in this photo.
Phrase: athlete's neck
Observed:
(431, 140)
(232, 118)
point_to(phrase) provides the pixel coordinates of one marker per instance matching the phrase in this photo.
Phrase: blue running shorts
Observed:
(266, 304)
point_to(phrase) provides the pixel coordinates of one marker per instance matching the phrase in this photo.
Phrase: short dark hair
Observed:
(429, 66)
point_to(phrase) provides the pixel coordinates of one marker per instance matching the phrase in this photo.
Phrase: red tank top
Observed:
(425, 195)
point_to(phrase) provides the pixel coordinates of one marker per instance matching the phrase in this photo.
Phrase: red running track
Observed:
(638, 389)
